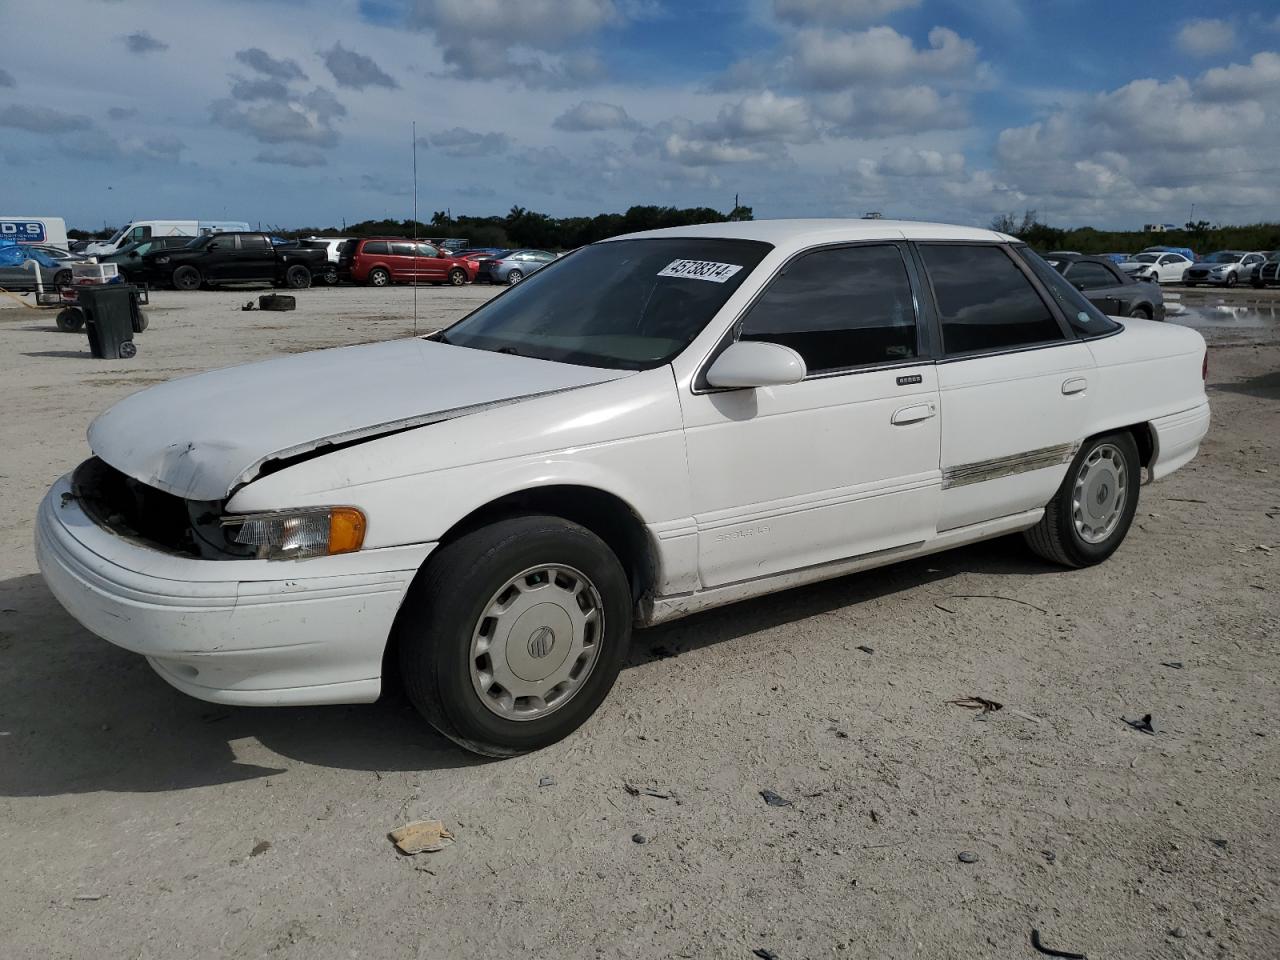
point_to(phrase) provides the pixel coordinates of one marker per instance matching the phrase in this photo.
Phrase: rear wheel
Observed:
(457, 277)
(512, 635)
(70, 319)
(297, 277)
(379, 277)
(330, 277)
(1088, 517)
(514, 277)
(186, 278)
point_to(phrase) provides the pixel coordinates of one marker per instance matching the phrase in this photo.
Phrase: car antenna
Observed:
(413, 135)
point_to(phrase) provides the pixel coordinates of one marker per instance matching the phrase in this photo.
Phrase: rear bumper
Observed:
(230, 631)
(1178, 439)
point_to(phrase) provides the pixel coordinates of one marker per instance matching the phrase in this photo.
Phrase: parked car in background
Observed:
(1267, 273)
(231, 258)
(16, 272)
(665, 423)
(1185, 251)
(1225, 268)
(1109, 289)
(379, 261)
(332, 246)
(128, 259)
(66, 256)
(136, 230)
(80, 246)
(482, 253)
(1157, 267)
(513, 266)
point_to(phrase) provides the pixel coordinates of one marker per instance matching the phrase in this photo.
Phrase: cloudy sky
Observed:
(298, 112)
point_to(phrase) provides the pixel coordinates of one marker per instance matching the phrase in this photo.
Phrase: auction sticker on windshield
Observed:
(700, 270)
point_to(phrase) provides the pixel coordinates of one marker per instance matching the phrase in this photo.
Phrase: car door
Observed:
(218, 260)
(1171, 267)
(1097, 283)
(431, 263)
(255, 258)
(840, 464)
(1013, 384)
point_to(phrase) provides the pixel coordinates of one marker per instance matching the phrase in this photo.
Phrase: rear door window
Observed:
(984, 301)
(1090, 276)
(253, 241)
(840, 308)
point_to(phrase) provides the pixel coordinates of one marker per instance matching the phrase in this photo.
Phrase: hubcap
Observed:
(1100, 493)
(536, 642)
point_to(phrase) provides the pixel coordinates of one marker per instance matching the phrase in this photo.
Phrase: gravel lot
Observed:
(138, 823)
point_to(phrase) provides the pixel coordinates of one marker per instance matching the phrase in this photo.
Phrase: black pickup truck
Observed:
(231, 258)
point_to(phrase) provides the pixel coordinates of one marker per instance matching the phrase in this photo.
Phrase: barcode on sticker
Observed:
(700, 270)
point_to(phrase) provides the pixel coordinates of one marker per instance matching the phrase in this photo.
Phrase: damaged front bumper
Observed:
(252, 632)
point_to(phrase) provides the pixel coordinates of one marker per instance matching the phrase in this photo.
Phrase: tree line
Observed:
(1200, 235)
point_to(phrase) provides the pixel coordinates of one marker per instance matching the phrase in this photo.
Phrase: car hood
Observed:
(204, 436)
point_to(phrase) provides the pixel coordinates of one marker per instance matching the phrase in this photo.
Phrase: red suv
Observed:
(382, 260)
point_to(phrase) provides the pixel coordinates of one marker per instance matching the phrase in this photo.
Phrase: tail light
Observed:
(1204, 367)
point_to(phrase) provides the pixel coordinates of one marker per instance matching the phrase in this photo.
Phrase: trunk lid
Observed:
(202, 437)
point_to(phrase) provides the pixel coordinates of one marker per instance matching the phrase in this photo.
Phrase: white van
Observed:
(137, 230)
(51, 231)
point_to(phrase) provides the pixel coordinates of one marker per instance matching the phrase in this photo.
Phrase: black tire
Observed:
(447, 602)
(514, 277)
(139, 322)
(70, 319)
(1231, 280)
(330, 277)
(62, 278)
(297, 277)
(1056, 538)
(186, 278)
(128, 350)
(1141, 310)
(379, 277)
(457, 276)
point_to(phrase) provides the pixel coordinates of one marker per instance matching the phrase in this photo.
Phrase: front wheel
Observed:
(62, 278)
(512, 635)
(330, 277)
(69, 319)
(1142, 312)
(1231, 280)
(1088, 517)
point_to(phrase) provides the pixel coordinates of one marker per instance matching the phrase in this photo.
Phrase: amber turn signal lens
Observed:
(346, 529)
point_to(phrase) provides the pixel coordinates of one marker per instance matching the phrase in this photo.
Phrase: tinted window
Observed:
(622, 304)
(984, 300)
(839, 308)
(253, 241)
(378, 248)
(1090, 276)
(1085, 319)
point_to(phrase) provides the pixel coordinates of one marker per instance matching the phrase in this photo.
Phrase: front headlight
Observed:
(298, 534)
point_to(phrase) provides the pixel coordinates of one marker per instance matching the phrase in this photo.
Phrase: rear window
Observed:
(1085, 319)
(377, 248)
(985, 301)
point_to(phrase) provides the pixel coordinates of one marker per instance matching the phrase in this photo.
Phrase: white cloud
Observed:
(907, 161)
(878, 55)
(594, 115)
(762, 117)
(461, 142)
(701, 153)
(1205, 37)
(890, 111)
(1260, 78)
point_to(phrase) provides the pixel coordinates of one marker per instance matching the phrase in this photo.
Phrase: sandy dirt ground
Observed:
(136, 822)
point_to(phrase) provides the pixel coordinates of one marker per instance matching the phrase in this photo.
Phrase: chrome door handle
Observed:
(913, 414)
(1074, 385)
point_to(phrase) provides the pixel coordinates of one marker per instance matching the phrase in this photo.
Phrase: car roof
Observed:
(797, 233)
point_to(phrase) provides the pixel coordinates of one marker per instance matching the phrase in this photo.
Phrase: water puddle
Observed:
(1217, 311)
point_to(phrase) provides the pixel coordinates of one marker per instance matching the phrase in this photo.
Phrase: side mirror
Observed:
(750, 363)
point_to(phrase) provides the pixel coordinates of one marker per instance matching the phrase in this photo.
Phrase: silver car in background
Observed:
(1225, 268)
(513, 266)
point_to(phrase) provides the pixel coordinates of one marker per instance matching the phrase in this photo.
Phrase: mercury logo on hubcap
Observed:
(1102, 493)
(540, 642)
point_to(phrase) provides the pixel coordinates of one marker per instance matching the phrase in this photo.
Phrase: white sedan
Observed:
(1157, 267)
(650, 426)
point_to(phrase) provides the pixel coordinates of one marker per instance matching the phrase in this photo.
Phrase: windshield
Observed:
(1147, 257)
(1224, 256)
(622, 304)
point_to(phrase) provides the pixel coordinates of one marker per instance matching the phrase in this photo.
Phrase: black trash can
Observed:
(108, 310)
